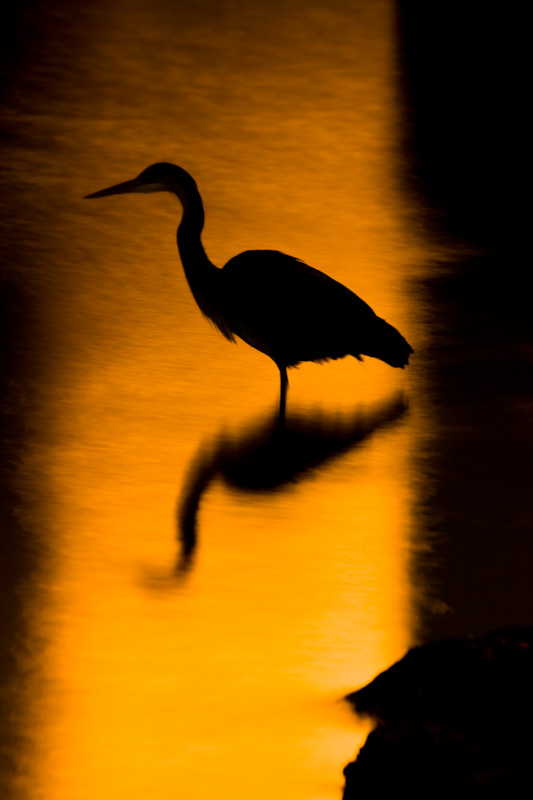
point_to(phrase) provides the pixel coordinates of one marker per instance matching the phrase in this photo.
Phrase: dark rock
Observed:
(451, 714)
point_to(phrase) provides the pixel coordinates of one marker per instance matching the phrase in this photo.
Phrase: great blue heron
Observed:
(274, 302)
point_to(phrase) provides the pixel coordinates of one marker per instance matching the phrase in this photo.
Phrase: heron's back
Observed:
(295, 313)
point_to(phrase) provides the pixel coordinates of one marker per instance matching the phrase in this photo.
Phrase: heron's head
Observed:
(157, 178)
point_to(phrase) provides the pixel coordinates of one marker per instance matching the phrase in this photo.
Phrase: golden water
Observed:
(135, 680)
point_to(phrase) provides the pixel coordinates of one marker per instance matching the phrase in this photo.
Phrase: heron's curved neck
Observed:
(199, 271)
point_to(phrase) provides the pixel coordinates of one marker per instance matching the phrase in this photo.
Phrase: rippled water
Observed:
(189, 591)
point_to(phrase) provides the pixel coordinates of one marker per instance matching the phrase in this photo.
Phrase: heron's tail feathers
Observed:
(387, 344)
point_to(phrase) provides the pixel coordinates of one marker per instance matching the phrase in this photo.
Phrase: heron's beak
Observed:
(127, 188)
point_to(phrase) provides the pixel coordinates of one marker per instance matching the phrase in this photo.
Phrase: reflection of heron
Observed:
(271, 456)
(275, 303)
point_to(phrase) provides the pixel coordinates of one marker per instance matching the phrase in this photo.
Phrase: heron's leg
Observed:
(284, 382)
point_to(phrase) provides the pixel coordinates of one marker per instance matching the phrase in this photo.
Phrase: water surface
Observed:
(189, 596)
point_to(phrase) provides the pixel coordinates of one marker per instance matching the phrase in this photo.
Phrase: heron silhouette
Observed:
(272, 301)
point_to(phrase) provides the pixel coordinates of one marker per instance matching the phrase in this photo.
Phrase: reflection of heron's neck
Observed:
(199, 271)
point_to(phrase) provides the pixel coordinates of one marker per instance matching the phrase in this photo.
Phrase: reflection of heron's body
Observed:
(272, 456)
(275, 303)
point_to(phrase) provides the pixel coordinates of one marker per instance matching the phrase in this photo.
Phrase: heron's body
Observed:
(275, 303)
